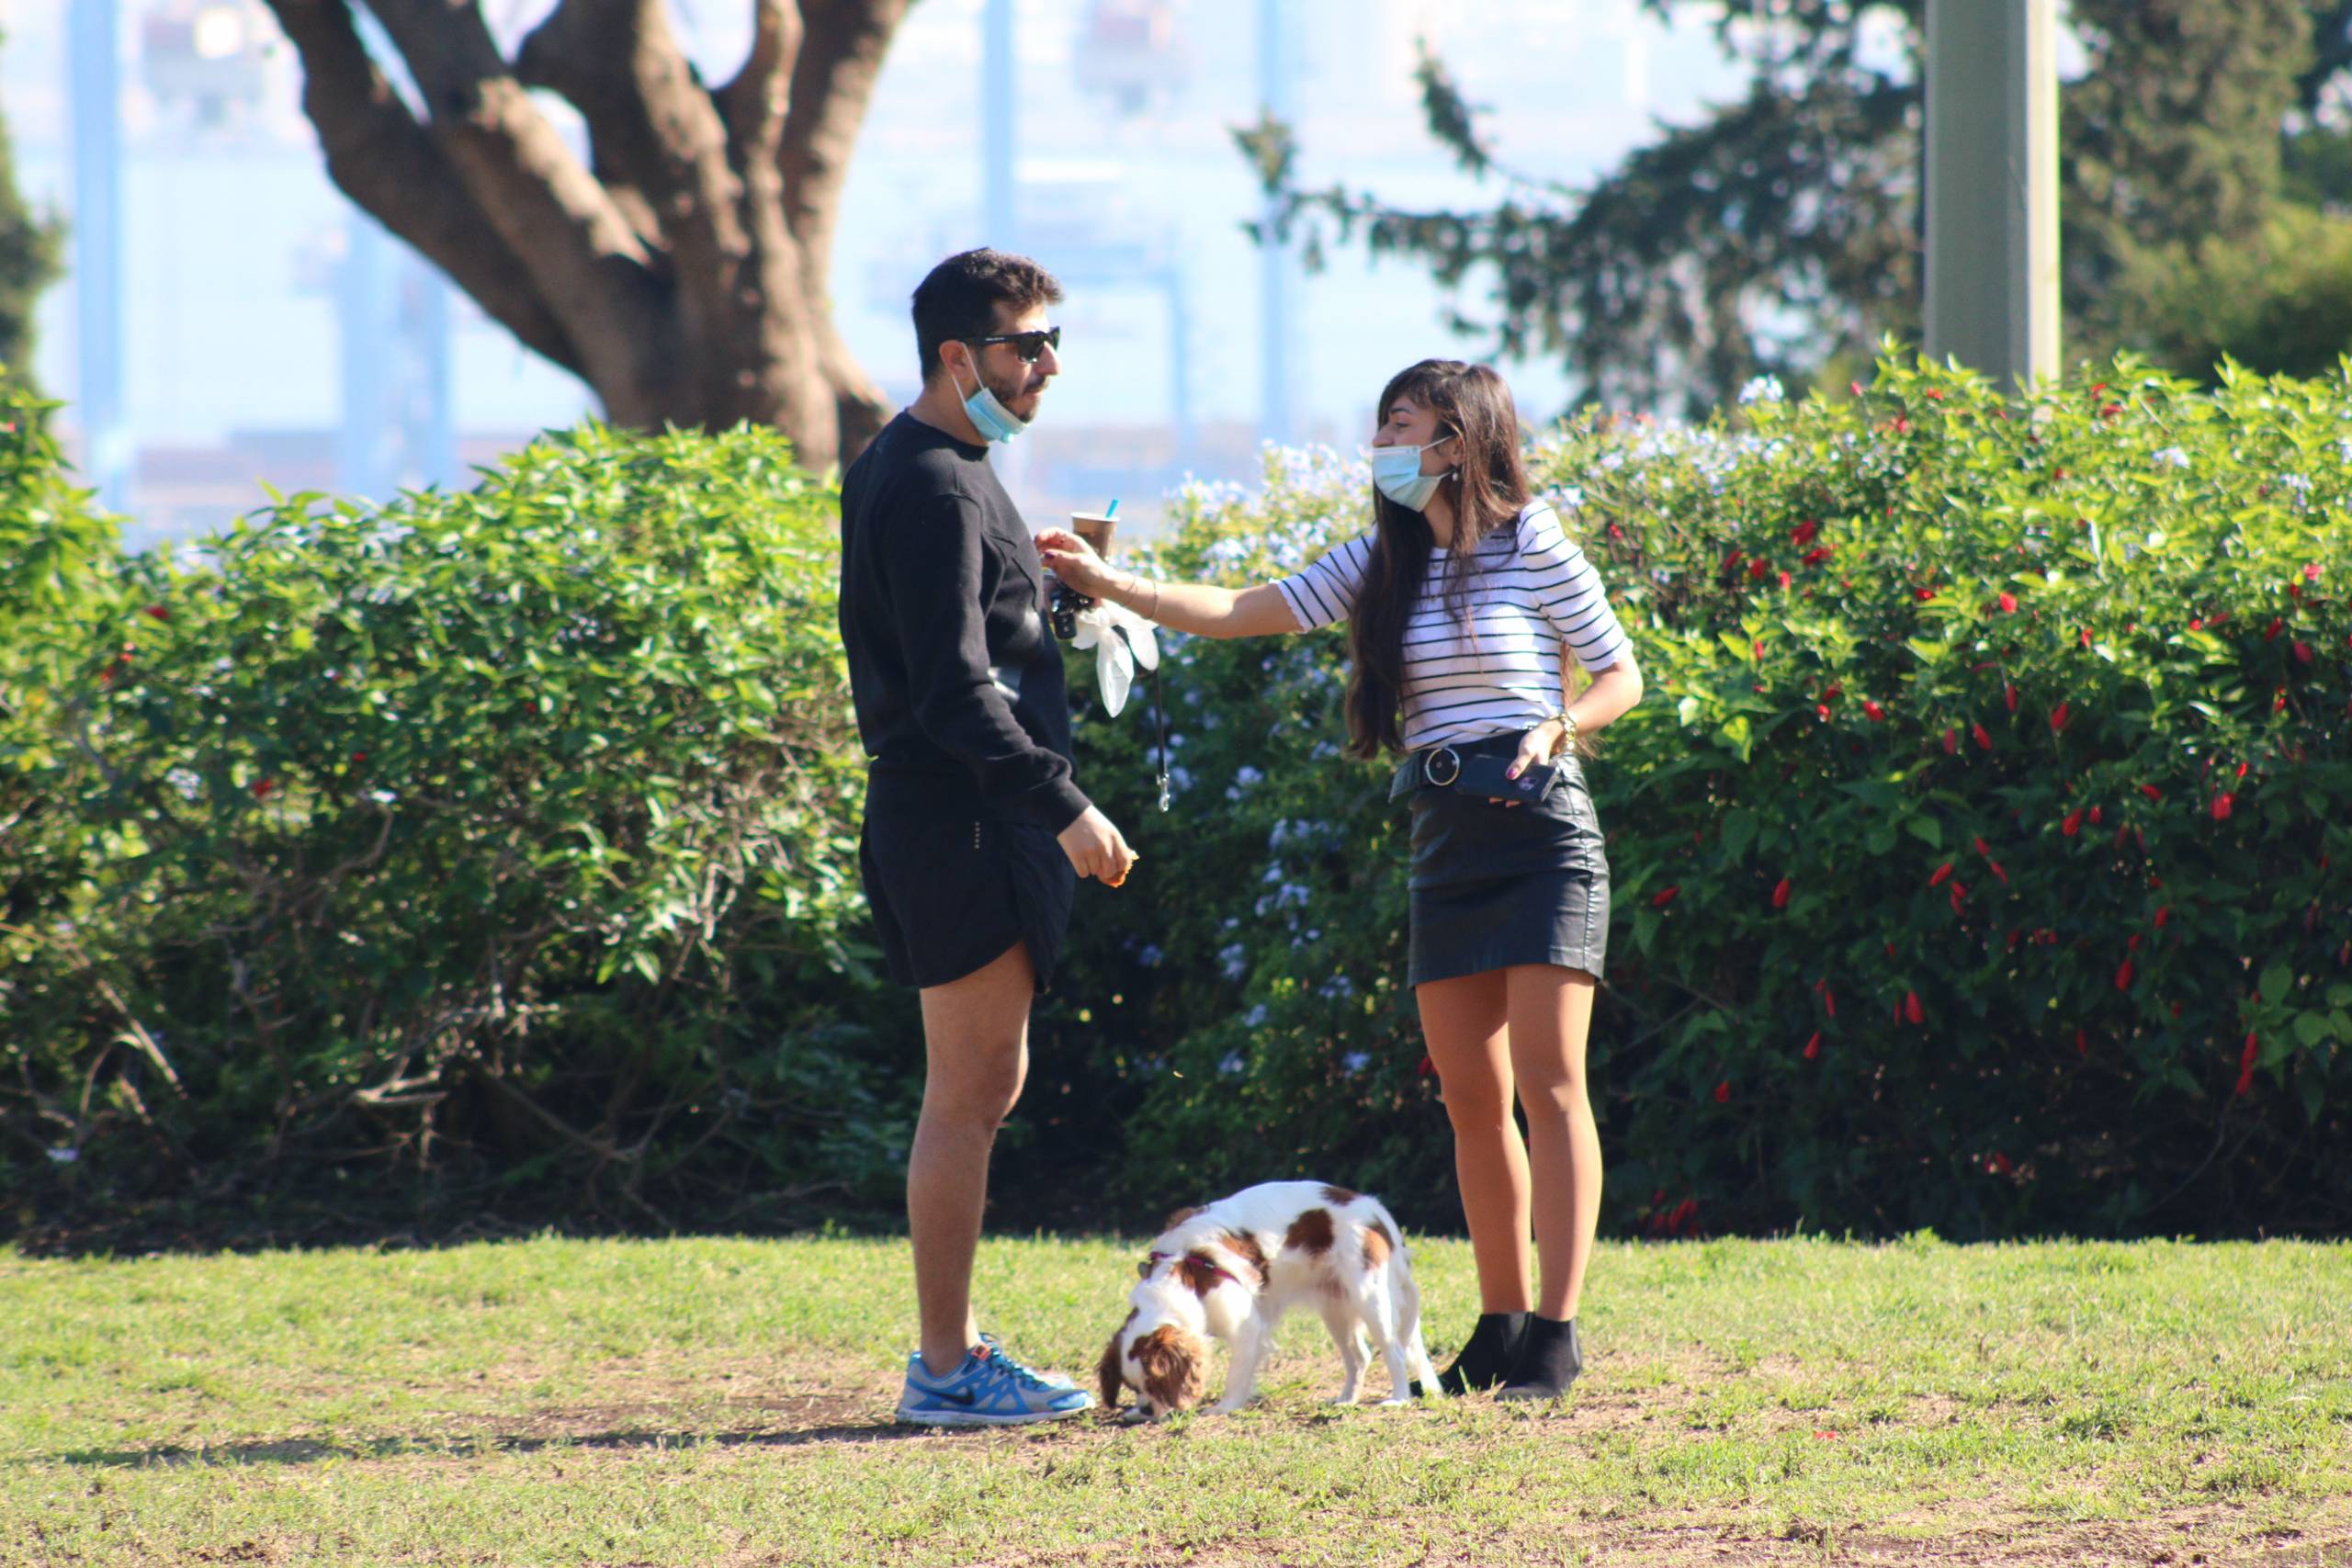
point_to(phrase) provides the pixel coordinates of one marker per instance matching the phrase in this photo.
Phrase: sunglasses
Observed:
(1028, 346)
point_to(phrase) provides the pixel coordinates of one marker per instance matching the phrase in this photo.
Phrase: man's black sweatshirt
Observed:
(958, 687)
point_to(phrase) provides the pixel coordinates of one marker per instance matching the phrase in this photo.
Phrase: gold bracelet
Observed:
(1568, 723)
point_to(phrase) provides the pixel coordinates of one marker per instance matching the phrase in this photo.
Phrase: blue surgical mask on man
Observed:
(990, 417)
(1397, 474)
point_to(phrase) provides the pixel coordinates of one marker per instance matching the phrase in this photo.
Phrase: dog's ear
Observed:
(1109, 1373)
(1170, 1361)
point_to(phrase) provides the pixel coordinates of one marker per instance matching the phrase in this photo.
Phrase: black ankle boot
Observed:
(1486, 1356)
(1549, 1359)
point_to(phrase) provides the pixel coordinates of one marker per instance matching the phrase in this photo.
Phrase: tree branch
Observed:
(655, 126)
(754, 103)
(389, 167)
(552, 213)
(832, 83)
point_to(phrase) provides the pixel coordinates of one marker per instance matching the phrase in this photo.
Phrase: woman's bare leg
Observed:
(1465, 1022)
(1550, 1014)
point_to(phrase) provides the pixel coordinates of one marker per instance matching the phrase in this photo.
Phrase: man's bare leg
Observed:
(976, 1048)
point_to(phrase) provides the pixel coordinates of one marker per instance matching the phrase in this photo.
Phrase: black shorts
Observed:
(952, 889)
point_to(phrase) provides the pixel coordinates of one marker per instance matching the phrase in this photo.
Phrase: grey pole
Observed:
(1000, 197)
(1277, 262)
(1993, 186)
(98, 249)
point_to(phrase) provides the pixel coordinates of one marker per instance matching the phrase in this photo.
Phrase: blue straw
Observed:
(1111, 510)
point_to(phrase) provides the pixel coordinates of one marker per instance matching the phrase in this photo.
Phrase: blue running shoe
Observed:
(996, 1347)
(990, 1389)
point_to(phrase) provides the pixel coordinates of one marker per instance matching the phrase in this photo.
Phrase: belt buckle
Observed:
(1452, 761)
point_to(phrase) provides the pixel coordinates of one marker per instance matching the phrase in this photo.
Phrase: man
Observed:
(975, 834)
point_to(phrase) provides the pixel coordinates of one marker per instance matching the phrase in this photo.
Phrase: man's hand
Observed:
(1073, 560)
(1095, 847)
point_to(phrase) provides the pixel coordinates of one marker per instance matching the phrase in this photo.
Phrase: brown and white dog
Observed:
(1230, 1270)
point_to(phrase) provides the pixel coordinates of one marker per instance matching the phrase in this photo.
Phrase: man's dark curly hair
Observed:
(958, 298)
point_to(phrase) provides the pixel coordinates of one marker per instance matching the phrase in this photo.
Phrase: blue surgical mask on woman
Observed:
(1397, 474)
(990, 417)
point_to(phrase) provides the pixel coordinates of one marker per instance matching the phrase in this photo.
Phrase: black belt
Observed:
(1436, 767)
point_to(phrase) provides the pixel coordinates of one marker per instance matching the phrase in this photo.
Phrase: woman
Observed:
(1465, 601)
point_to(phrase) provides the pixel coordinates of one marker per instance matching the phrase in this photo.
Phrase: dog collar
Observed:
(1216, 1269)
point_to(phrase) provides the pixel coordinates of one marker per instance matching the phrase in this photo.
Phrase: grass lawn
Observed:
(728, 1402)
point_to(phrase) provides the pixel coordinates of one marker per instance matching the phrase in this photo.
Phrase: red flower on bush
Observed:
(1951, 740)
(1663, 897)
(1923, 594)
(2123, 976)
(1818, 554)
(2010, 695)
(1757, 568)
(2082, 1043)
(2008, 603)
(2072, 824)
(2162, 914)
(1939, 876)
(262, 788)
(1427, 1066)
(1912, 1011)
(1804, 532)
(2001, 1164)
(2096, 814)
(2310, 572)
(1984, 736)
(159, 612)
(2152, 792)
(1820, 712)
(1785, 579)
(2246, 1059)
(1877, 714)
(1813, 1047)
(2270, 633)
(1723, 1092)
(2224, 804)
(2303, 654)
(1780, 894)
(2058, 718)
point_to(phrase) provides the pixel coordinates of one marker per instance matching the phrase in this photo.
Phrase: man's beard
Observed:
(1016, 390)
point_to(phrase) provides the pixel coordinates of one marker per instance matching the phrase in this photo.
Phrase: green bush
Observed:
(1980, 850)
(492, 840)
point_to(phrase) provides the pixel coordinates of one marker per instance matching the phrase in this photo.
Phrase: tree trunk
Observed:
(683, 273)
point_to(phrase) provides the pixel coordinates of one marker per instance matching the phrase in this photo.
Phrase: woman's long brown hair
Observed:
(1488, 489)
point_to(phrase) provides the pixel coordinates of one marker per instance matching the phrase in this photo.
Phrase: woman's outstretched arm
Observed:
(1198, 608)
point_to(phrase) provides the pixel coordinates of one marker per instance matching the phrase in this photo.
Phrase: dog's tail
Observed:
(1408, 1298)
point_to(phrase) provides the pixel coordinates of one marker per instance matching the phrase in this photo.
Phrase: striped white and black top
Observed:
(1529, 592)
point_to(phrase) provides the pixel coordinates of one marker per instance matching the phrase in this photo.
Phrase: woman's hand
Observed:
(1540, 744)
(1073, 560)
